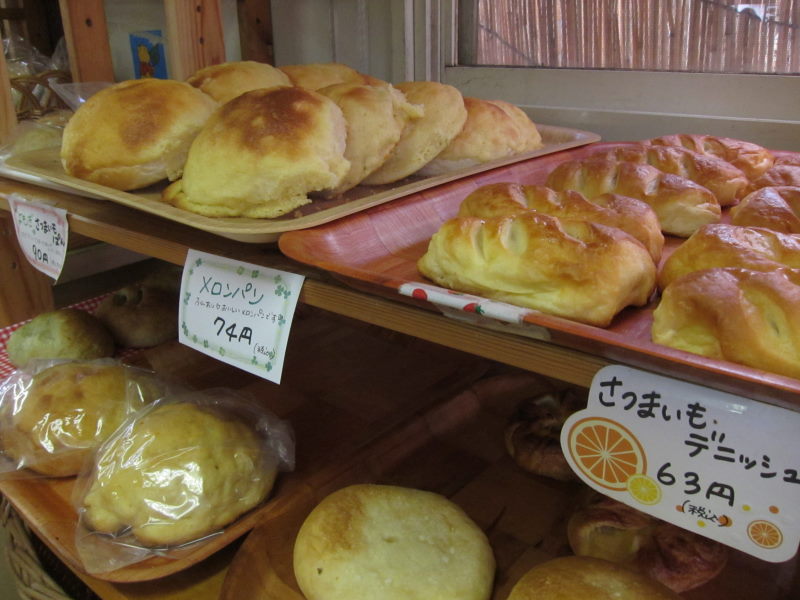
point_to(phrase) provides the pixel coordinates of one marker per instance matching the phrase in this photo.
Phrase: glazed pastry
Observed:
(776, 208)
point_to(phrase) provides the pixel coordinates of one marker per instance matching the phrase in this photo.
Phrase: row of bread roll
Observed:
(687, 179)
(731, 292)
(294, 131)
(569, 267)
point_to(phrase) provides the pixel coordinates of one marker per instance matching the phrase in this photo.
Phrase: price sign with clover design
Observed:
(238, 312)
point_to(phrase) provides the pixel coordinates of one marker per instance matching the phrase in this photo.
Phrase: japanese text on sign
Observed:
(42, 233)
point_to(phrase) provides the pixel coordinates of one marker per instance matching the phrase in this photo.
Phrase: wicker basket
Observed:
(38, 574)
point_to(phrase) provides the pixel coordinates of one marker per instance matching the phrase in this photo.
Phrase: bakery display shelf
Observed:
(341, 389)
(376, 251)
(456, 448)
(46, 165)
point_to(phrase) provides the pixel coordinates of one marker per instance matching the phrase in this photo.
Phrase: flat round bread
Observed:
(225, 81)
(392, 543)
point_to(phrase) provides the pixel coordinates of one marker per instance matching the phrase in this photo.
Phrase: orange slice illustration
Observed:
(644, 489)
(606, 452)
(764, 534)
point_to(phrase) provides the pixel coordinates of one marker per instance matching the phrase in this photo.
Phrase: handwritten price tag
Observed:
(42, 233)
(717, 464)
(238, 312)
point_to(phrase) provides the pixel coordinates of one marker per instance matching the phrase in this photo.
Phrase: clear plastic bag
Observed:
(54, 413)
(177, 473)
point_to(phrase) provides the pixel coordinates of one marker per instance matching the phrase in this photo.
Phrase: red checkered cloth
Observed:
(6, 368)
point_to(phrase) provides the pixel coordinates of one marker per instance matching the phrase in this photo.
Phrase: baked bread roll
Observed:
(584, 578)
(491, 132)
(315, 76)
(682, 206)
(779, 175)
(750, 158)
(632, 216)
(530, 133)
(788, 159)
(140, 316)
(725, 181)
(375, 117)
(533, 434)
(66, 333)
(175, 473)
(287, 142)
(722, 245)
(134, 133)
(776, 208)
(70, 409)
(572, 269)
(677, 558)
(424, 138)
(225, 81)
(392, 543)
(743, 316)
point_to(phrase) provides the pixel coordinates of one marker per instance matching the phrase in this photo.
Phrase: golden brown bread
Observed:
(586, 578)
(788, 159)
(776, 208)
(262, 153)
(533, 433)
(747, 156)
(779, 175)
(315, 76)
(530, 133)
(393, 543)
(140, 316)
(725, 181)
(677, 558)
(632, 216)
(743, 316)
(225, 81)
(491, 132)
(682, 206)
(375, 117)
(572, 269)
(722, 245)
(134, 133)
(424, 138)
(68, 411)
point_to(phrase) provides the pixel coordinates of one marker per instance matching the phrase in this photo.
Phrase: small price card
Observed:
(714, 463)
(42, 233)
(238, 312)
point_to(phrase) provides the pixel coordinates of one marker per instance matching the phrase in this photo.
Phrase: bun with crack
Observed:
(287, 142)
(571, 269)
(376, 117)
(631, 215)
(751, 158)
(682, 206)
(533, 434)
(530, 133)
(586, 578)
(724, 180)
(424, 138)
(677, 558)
(315, 76)
(67, 333)
(392, 543)
(490, 132)
(740, 315)
(225, 81)
(723, 245)
(134, 133)
(776, 208)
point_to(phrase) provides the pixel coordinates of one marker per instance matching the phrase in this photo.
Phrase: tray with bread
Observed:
(650, 253)
(246, 150)
(331, 417)
(488, 463)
